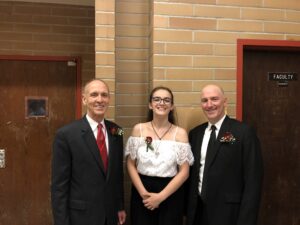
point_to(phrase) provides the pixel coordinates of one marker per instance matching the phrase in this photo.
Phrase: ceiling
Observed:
(69, 2)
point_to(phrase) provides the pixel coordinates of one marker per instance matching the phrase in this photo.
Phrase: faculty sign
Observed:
(283, 77)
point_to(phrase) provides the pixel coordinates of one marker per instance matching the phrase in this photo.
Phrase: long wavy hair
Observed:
(171, 116)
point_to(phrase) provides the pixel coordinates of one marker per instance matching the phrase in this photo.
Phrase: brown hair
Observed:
(171, 116)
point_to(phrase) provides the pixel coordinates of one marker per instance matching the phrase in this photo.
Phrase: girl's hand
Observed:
(153, 201)
(145, 195)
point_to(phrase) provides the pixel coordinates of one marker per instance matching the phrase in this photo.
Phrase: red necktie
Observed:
(102, 145)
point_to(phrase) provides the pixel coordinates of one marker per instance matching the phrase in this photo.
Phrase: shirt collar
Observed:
(217, 124)
(93, 123)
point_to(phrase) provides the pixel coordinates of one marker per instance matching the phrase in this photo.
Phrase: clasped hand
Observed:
(151, 200)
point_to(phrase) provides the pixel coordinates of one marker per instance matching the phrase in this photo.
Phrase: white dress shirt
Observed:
(204, 148)
(94, 126)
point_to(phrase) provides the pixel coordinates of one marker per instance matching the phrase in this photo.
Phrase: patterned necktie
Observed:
(209, 150)
(102, 146)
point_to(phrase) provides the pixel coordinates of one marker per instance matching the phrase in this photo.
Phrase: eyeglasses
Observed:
(166, 101)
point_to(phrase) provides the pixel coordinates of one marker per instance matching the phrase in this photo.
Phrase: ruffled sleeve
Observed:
(132, 146)
(184, 154)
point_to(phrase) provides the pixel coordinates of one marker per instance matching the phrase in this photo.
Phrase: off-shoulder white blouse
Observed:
(163, 160)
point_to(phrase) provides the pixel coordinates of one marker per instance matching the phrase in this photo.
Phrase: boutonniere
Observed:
(116, 131)
(227, 138)
(148, 141)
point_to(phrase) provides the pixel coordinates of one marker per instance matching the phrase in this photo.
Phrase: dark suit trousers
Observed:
(201, 217)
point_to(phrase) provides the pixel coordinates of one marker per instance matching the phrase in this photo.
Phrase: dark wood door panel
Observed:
(25, 182)
(274, 111)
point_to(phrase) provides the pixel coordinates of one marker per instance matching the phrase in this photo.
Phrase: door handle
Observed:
(2, 158)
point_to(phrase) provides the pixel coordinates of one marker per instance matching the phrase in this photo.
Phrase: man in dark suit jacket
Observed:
(83, 192)
(232, 177)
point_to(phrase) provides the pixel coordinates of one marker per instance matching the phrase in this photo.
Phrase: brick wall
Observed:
(194, 43)
(49, 30)
(105, 47)
(183, 44)
(132, 64)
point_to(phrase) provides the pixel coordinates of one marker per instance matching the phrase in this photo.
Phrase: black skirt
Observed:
(169, 212)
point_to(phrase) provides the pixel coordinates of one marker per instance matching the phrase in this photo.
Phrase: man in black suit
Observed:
(84, 189)
(226, 178)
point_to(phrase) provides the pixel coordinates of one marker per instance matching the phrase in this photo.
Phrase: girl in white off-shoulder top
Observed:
(158, 159)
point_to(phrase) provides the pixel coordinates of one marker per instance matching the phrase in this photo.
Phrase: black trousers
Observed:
(201, 217)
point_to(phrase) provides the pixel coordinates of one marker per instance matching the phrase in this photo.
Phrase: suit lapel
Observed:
(224, 127)
(197, 146)
(113, 146)
(110, 146)
(89, 138)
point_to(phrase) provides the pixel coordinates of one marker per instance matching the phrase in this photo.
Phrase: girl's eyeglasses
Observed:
(158, 100)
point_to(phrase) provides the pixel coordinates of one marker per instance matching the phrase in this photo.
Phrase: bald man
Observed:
(224, 186)
(87, 184)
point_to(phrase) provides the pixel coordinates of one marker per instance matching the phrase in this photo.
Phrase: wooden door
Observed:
(273, 109)
(27, 134)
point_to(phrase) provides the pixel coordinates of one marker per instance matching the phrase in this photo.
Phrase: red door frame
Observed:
(59, 59)
(243, 44)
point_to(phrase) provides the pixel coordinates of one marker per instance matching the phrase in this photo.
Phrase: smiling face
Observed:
(161, 103)
(96, 99)
(213, 103)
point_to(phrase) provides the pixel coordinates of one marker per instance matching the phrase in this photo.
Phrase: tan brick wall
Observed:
(132, 62)
(194, 43)
(49, 29)
(105, 48)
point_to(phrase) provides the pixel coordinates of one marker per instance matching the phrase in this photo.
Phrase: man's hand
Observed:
(122, 217)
